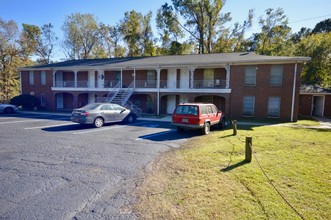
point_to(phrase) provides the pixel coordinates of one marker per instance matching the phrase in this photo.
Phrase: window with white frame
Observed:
(43, 78)
(274, 107)
(248, 106)
(276, 75)
(31, 78)
(250, 76)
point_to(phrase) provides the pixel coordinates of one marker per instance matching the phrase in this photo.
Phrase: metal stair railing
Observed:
(134, 108)
(112, 93)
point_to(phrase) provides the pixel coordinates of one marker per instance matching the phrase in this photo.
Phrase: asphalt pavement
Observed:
(52, 168)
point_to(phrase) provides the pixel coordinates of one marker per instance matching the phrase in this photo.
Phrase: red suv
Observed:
(197, 116)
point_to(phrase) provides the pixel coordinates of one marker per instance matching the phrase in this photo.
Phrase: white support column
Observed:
(121, 78)
(158, 72)
(191, 69)
(91, 79)
(101, 79)
(75, 74)
(228, 75)
(53, 72)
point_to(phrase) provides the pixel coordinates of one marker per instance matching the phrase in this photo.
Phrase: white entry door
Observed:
(171, 104)
(318, 106)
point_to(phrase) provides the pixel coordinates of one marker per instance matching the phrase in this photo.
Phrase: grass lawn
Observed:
(208, 178)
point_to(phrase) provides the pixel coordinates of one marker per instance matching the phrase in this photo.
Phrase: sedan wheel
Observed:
(98, 122)
(9, 110)
(130, 119)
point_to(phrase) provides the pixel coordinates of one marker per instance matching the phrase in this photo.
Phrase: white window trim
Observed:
(253, 109)
(248, 70)
(274, 116)
(276, 68)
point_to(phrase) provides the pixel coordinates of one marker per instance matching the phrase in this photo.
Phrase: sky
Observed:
(300, 13)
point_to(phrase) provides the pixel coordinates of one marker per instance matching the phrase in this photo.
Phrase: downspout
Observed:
(158, 70)
(293, 92)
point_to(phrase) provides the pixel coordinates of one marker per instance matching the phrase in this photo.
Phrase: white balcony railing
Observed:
(164, 84)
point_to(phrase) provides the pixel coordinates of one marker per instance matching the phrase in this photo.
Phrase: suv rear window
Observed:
(187, 110)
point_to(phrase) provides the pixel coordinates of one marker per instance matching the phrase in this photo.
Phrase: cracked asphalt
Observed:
(52, 168)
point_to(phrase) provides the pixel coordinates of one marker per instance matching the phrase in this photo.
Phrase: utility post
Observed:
(248, 149)
(234, 126)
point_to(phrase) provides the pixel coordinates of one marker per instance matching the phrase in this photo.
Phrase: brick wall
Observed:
(263, 90)
(305, 105)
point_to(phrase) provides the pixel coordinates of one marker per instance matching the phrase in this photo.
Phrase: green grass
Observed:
(208, 179)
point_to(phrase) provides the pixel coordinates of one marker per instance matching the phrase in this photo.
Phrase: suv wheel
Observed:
(221, 124)
(206, 128)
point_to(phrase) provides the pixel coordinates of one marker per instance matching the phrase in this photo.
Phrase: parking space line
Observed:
(99, 129)
(49, 126)
(109, 128)
(157, 134)
(12, 122)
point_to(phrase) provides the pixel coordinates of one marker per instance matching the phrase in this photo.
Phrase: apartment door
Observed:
(318, 106)
(171, 104)
(59, 101)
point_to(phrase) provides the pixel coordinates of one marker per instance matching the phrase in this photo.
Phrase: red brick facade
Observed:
(157, 91)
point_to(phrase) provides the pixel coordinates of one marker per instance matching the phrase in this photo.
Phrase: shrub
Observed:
(25, 100)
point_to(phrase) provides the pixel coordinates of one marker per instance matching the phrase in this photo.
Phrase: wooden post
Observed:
(234, 126)
(248, 151)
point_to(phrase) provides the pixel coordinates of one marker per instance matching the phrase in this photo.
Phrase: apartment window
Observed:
(43, 78)
(151, 79)
(250, 76)
(276, 75)
(31, 78)
(208, 78)
(42, 99)
(248, 106)
(274, 107)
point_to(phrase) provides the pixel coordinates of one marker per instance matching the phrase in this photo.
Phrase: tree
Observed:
(46, 44)
(81, 33)
(275, 34)
(169, 30)
(202, 18)
(233, 40)
(137, 33)
(29, 39)
(112, 37)
(15, 47)
(318, 69)
(322, 27)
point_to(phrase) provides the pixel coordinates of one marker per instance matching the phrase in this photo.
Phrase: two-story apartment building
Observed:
(240, 84)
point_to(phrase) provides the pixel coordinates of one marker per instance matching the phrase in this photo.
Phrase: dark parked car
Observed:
(100, 113)
(8, 108)
(197, 116)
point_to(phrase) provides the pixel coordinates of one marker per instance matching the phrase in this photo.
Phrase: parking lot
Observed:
(52, 168)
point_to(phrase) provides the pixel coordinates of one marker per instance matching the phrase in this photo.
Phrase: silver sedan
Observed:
(98, 114)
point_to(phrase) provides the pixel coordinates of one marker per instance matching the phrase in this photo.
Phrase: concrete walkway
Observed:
(325, 123)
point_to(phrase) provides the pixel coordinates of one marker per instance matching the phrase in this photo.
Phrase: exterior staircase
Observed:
(121, 97)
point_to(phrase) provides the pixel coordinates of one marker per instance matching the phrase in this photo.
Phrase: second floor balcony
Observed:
(145, 84)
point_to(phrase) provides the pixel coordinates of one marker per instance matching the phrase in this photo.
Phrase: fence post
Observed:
(234, 126)
(248, 151)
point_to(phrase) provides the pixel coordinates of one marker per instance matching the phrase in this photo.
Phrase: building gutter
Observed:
(294, 88)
